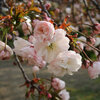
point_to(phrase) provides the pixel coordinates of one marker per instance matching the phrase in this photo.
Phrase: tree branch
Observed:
(96, 4)
(19, 64)
(73, 15)
(44, 9)
(86, 6)
(91, 46)
(21, 68)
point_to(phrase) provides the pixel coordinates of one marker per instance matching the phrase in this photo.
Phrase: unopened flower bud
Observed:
(47, 6)
(96, 28)
(35, 69)
(49, 96)
(4, 55)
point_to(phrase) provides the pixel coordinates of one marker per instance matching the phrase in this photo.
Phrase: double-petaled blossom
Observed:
(5, 51)
(26, 50)
(55, 52)
(94, 71)
(57, 44)
(64, 95)
(65, 62)
(58, 84)
(44, 31)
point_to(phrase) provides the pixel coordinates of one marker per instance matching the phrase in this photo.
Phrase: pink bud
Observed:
(58, 84)
(46, 17)
(86, 64)
(57, 10)
(48, 5)
(97, 28)
(35, 69)
(94, 71)
(29, 3)
(4, 55)
(49, 96)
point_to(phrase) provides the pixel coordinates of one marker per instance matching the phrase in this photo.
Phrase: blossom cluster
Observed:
(48, 46)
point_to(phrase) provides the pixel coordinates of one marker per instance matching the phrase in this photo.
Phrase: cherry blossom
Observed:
(4, 55)
(64, 95)
(44, 31)
(58, 44)
(94, 71)
(97, 41)
(58, 84)
(5, 51)
(26, 50)
(65, 62)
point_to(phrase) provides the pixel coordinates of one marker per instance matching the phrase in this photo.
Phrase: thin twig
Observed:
(44, 9)
(73, 14)
(21, 68)
(90, 46)
(19, 64)
(96, 4)
(80, 49)
(86, 6)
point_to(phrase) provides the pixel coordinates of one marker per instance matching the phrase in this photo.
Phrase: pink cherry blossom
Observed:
(97, 42)
(58, 84)
(66, 62)
(64, 95)
(4, 55)
(47, 6)
(32, 39)
(44, 31)
(97, 30)
(57, 44)
(34, 22)
(94, 71)
(49, 96)
(5, 51)
(26, 50)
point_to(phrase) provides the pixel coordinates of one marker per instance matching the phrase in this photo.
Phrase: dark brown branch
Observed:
(73, 15)
(21, 68)
(44, 9)
(86, 6)
(19, 64)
